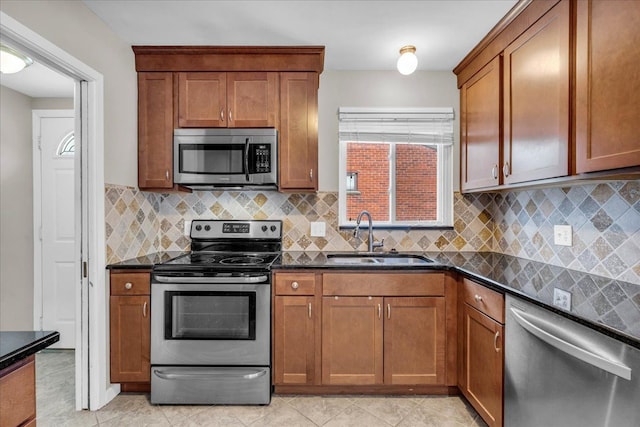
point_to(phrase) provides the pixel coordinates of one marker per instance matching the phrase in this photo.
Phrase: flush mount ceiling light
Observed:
(408, 61)
(12, 61)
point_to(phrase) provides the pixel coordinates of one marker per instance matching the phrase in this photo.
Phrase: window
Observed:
(397, 164)
(67, 146)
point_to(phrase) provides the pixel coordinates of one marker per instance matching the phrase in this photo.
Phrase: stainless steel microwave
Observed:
(226, 158)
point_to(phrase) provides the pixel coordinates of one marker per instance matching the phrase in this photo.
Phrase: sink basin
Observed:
(377, 259)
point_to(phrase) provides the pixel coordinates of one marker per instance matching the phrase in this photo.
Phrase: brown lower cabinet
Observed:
(18, 393)
(130, 330)
(350, 331)
(482, 345)
(383, 340)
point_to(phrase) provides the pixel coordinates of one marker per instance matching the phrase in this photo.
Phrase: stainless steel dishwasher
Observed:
(561, 373)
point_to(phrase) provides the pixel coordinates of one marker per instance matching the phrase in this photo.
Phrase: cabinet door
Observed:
(252, 99)
(414, 340)
(298, 137)
(155, 130)
(352, 340)
(294, 337)
(481, 128)
(536, 100)
(483, 364)
(607, 85)
(202, 100)
(130, 339)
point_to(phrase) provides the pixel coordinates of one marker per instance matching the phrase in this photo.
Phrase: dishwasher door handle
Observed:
(527, 321)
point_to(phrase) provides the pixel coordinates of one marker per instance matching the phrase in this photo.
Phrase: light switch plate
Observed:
(318, 229)
(562, 235)
(187, 227)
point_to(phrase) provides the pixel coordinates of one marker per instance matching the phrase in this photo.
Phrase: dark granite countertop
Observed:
(608, 305)
(145, 262)
(16, 345)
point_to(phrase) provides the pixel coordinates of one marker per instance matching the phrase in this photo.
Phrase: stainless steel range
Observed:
(211, 316)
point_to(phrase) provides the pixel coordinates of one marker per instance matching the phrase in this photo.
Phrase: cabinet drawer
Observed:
(484, 300)
(385, 284)
(130, 283)
(295, 283)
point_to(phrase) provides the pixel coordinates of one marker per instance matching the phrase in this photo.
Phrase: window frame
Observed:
(444, 189)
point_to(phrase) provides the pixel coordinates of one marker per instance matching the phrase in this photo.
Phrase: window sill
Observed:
(397, 227)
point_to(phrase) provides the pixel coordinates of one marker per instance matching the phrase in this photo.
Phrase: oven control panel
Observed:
(235, 229)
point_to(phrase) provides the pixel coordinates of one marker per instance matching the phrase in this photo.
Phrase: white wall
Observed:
(16, 205)
(73, 27)
(16, 208)
(378, 89)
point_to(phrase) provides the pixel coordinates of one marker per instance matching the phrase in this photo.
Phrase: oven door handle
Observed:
(200, 374)
(213, 280)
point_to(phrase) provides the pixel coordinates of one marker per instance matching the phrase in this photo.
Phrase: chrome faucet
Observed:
(372, 244)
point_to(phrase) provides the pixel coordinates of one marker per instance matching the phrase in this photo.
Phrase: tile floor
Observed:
(55, 407)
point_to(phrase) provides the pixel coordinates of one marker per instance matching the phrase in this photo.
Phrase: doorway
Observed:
(93, 389)
(54, 224)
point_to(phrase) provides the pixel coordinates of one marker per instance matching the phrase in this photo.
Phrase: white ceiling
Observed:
(357, 34)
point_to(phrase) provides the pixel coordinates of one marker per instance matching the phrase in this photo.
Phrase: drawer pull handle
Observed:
(128, 285)
(222, 114)
(295, 285)
(309, 310)
(379, 311)
(494, 171)
(388, 311)
(505, 169)
(144, 309)
(478, 298)
(495, 341)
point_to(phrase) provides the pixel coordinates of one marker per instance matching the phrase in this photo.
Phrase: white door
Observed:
(57, 186)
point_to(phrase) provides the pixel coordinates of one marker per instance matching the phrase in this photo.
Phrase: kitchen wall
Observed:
(605, 218)
(16, 204)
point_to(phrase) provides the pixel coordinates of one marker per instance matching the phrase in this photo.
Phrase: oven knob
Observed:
(264, 228)
(207, 227)
(273, 228)
(198, 227)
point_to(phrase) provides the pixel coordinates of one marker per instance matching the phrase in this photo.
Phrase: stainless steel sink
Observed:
(373, 259)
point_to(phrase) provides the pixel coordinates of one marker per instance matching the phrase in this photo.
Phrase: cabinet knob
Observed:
(295, 285)
(128, 285)
(478, 298)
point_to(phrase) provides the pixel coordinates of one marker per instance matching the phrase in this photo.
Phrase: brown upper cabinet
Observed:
(564, 74)
(607, 84)
(536, 100)
(227, 99)
(228, 86)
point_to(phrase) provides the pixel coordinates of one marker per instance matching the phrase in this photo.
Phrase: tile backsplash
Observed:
(605, 218)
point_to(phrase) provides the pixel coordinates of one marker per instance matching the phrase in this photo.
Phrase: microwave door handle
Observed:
(246, 158)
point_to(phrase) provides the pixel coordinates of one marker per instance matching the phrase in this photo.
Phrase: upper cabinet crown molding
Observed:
(229, 58)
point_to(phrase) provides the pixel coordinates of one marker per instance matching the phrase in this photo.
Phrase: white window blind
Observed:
(401, 125)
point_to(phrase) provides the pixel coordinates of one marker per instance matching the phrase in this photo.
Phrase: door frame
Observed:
(38, 288)
(93, 388)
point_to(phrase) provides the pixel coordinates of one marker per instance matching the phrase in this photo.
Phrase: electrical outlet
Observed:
(318, 229)
(562, 299)
(562, 235)
(187, 227)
